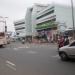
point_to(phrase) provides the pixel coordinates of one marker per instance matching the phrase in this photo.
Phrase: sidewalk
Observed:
(19, 44)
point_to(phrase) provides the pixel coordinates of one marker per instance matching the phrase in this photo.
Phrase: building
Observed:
(46, 20)
(20, 28)
(53, 19)
(30, 18)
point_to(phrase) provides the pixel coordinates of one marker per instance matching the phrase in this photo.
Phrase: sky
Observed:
(16, 9)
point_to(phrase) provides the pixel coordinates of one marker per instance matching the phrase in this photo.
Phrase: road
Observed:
(18, 59)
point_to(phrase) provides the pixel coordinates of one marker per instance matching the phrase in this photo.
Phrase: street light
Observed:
(73, 19)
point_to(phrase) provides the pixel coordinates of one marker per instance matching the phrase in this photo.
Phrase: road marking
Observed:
(56, 56)
(13, 68)
(15, 48)
(8, 62)
(31, 52)
(11, 65)
(20, 47)
(26, 47)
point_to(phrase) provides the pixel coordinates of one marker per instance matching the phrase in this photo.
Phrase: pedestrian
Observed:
(66, 42)
(60, 42)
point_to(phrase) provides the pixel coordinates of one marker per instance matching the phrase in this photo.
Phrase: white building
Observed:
(46, 19)
(20, 28)
(39, 14)
(59, 14)
(30, 18)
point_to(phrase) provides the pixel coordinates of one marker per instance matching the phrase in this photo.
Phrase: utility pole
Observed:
(73, 19)
(5, 27)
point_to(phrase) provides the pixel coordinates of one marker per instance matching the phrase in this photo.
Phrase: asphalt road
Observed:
(18, 59)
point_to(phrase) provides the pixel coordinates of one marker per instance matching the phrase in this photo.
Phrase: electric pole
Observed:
(73, 19)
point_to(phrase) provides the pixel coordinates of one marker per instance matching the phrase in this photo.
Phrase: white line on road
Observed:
(20, 48)
(26, 47)
(31, 52)
(13, 68)
(56, 56)
(8, 62)
(11, 65)
(15, 48)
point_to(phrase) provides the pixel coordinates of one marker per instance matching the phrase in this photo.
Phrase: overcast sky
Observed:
(16, 9)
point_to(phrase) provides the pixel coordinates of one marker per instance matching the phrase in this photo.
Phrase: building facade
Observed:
(53, 19)
(20, 28)
(46, 20)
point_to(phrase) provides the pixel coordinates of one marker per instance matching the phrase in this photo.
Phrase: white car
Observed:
(67, 52)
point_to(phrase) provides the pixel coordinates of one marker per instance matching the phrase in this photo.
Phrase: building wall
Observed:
(28, 22)
(36, 9)
(46, 17)
(20, 28)
(64, 15)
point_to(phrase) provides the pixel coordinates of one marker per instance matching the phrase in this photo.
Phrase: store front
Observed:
(47, 31)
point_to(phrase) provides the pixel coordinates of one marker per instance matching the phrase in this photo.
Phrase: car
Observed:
(67, 52)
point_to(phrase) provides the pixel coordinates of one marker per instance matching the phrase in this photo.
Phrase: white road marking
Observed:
(56, 56)
(20, 48)
(11, 65)
(15, 48)
(26, 47)
(31, 52)
(8, 62)
(13, 68)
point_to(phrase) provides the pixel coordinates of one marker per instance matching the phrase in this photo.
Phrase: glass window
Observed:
(50, 12)
(20, 28)
(73, 44)
(19, 23)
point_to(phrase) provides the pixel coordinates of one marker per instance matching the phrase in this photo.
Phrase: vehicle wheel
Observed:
(63, 56)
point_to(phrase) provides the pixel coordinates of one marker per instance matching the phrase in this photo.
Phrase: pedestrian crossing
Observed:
(32, 52)
(19, 48)
(26, 47)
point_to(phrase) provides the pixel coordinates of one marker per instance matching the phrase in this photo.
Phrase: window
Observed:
(19, 23)
(73, 44)
(17, 33)
(20, 28)
(50, 12)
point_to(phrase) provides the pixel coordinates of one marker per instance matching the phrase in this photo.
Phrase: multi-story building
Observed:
(30, 18)
(45, 19)
(52, 19)
(20, 28)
